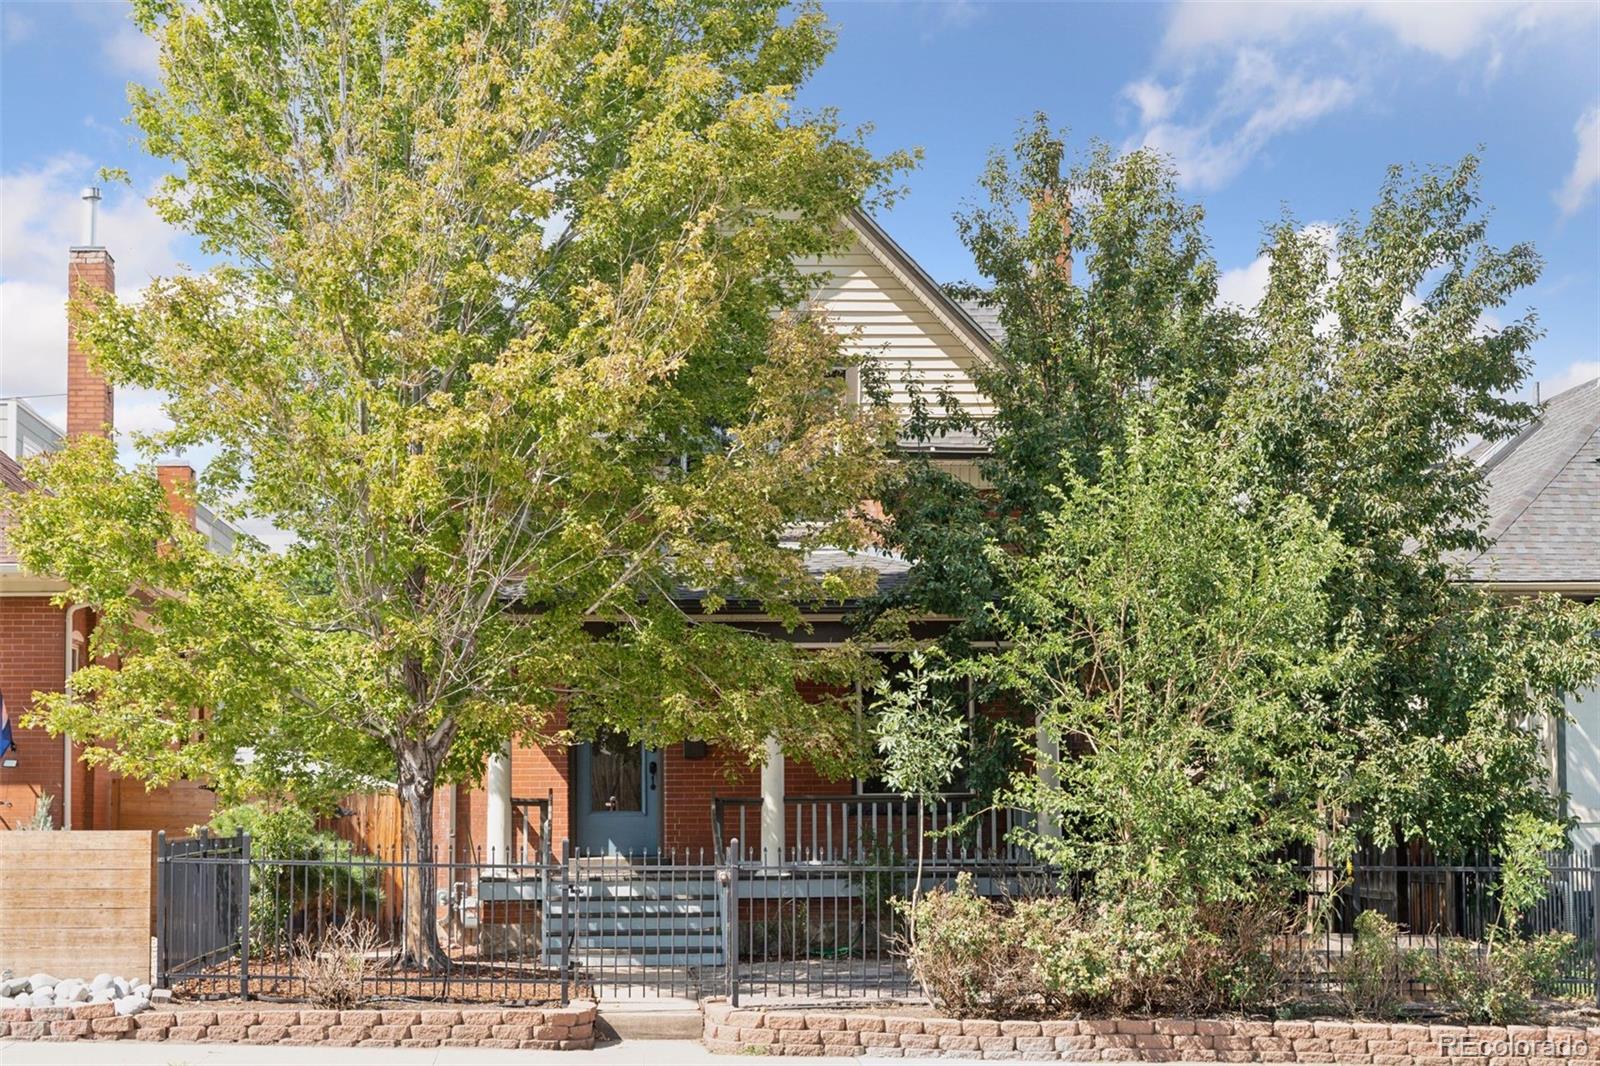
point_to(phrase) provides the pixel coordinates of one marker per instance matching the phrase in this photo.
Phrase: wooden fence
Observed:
(77, 903)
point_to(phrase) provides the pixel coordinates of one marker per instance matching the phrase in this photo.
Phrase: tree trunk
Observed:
(420, 947)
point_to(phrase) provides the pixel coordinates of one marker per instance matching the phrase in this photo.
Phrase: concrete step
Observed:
(637, 889)
(672, 1020)
(591, 925)
(643, 943)
(600, 962)
(627, 909)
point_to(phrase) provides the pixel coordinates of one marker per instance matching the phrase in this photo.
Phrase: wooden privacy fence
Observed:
(77, 903)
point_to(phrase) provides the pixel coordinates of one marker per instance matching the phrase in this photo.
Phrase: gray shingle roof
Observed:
(986, 318)
(1544, 496)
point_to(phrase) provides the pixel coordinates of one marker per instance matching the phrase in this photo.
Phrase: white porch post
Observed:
(497, 783)
(1049, 749)
(772, 828)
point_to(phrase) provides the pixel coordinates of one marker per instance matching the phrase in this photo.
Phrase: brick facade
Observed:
(32, 659)
(757, 1031)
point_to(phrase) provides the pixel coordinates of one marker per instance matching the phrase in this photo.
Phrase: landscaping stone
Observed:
(130, 1018)
(891, 1034)
(131, 1004)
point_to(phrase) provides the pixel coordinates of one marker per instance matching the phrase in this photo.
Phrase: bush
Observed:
(966, 954)
(1499, 985)
(1128, 957)
(290, 902)
(1372, 978)
(991, 958)
(334, 967)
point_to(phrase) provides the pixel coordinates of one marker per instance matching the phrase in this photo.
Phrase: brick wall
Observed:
(31, 659)
(758, 1031)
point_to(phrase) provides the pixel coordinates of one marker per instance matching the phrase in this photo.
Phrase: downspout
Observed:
(66, 738)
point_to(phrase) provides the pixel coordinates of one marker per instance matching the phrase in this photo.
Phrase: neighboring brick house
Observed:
(1544, 521)
(41, 643)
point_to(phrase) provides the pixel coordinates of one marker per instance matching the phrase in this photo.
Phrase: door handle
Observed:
(652, 775)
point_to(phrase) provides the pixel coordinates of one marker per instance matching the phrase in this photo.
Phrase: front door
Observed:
(618, 797)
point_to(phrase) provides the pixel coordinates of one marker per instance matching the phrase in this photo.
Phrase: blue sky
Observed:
(1261, 106)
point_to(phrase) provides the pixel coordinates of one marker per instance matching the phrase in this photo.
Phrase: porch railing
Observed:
(957, 827)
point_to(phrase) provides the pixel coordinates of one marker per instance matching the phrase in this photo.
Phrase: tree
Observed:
(495, 341)
(1352, 388)
(919, 738)
(1168, 633)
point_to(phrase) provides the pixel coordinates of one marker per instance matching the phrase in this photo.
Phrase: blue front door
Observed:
(617, 809)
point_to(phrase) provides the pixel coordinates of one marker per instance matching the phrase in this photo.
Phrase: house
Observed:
(41, 644)
(614, 796)
(1544, 524)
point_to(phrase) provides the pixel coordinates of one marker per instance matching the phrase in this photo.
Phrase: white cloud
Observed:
(1585, 172)
(1154, 100)
(1576, 373)
(1253, 71)
(1256, 102)
(132, 52)
(1243, 287)
(1447, 30)
(15, 25)
(43, 217)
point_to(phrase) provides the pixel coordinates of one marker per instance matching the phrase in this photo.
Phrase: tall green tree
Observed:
(497, 340)
(1354, 386)
(1168, 631)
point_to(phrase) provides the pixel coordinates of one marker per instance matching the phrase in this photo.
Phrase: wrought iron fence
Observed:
(202, 895)
(551, 927)
(1434, 904)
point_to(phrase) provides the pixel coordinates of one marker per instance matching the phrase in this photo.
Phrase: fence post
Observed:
(566, 918)
(1594, 906)
(159, 976)
(1355, 891)
(729, 876)
(244, 914)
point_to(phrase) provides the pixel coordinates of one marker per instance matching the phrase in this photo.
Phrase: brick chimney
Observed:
(89, 266)
(177, 481)
(1063, 257)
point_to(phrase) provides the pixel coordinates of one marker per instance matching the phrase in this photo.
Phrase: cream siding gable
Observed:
(885, 312)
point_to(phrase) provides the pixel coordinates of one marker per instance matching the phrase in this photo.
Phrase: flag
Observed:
(6, 743)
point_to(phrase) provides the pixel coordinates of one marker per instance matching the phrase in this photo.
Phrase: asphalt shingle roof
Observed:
(986, 318)
(1544, 496)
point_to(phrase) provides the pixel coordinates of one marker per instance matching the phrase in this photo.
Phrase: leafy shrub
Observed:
(324, 887)
(1372, 977)
(967, 956)
(1499, 985)
(335, 965)
(1133, 957)
(1056, 954)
